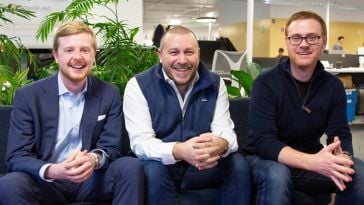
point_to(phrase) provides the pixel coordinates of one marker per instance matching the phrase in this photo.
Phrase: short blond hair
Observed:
(72, 28)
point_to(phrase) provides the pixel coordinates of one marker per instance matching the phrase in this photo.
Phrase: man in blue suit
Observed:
(65, 134)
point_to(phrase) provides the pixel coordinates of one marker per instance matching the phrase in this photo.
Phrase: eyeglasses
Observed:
(297, 40)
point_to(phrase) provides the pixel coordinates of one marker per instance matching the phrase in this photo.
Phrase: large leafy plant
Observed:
(120, 57)
(12, 76)
(243, 80)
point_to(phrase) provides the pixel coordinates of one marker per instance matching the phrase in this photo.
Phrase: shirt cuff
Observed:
(168, 158)
(42, 171)
(104, 156)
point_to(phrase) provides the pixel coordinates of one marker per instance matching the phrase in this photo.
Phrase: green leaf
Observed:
(48, 24)
(233, 91)
(15, 10)
(244, 78)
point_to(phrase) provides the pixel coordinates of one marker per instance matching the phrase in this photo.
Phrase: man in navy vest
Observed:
(177, 116)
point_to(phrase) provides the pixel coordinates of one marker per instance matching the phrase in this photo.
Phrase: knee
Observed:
(154, 170)
(358, 178)
(157, 177)
(272, 174)
(129, 167)
(238, 164)
(14, 181)
(277, 175)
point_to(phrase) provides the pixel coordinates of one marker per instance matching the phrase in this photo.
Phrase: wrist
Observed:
(348, 154)
(96, 159)
(225, 146)
(175, 151)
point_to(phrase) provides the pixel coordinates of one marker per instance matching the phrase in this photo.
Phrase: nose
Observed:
(77, 55)
(304, 42)
(182, 58)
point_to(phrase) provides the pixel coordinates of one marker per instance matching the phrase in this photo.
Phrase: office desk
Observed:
(357, 75)
(345, 70)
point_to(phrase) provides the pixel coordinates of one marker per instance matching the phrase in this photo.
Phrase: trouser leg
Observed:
(272, 181)
(160, 186)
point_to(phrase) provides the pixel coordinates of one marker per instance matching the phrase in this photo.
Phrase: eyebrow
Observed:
(308, 34)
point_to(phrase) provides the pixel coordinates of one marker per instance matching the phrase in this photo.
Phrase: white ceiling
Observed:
(164, 11)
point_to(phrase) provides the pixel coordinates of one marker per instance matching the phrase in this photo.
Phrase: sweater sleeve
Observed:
(337, 121)
(262, 121)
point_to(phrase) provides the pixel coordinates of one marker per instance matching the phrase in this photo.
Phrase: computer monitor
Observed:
(360, 50)
(336, 52)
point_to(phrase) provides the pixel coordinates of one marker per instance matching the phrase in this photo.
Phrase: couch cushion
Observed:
(239, 109)
(4, 128)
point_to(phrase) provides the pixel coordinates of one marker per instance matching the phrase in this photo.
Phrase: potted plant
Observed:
(12, 76)
(242, 80)
(120, 57)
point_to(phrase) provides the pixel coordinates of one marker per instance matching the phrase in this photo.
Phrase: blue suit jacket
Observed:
(34, 122)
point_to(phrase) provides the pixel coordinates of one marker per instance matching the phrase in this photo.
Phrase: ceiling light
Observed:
(175, 22)
(206, 19)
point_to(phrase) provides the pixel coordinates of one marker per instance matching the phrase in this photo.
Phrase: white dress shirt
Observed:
(143, 139)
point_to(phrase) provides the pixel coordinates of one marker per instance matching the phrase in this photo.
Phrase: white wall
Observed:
(335, 14)
(131, 11)
(200, 30)
(234, 11)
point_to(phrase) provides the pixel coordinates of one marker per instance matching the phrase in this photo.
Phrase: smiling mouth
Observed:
(182, 68)
(303, 53)
(77, 66)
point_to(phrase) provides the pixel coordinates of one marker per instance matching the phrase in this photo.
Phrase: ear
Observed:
(160, 55)
(55, 55)
(324, 40)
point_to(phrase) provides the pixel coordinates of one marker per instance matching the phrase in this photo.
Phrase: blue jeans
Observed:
(354, 193)
(276, 182)
(231, 177)
(272, 181)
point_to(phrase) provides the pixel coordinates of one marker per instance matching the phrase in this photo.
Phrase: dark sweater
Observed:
(276, 117)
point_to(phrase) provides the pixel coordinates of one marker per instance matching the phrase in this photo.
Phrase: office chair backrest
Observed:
(224, 61)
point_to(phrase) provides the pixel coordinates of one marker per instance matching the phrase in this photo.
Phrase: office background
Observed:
(346, 18)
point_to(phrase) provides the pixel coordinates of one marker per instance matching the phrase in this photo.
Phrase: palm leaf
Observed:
(47, 25)
(79, 8)
(15, 10)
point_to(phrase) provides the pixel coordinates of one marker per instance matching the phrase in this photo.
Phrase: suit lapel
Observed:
(90, 113)
(50, 106)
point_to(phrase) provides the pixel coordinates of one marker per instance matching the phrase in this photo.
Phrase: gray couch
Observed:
(239, 114)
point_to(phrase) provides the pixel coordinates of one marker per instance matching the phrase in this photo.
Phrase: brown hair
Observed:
(72, 28)
(176, 30)
(307, 15)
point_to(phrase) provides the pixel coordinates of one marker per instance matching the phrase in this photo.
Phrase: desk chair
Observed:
(224, 61)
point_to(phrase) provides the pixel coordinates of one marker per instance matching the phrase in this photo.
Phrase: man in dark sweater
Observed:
(291, 107)
(178, 120)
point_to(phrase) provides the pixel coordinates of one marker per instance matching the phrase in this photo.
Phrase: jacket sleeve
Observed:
(109, 133)
(21, 153)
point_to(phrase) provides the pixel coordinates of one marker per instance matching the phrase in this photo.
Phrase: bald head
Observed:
(179, 30)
